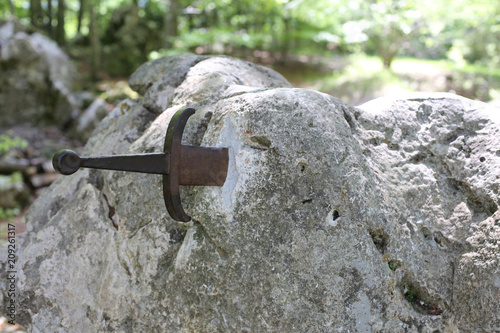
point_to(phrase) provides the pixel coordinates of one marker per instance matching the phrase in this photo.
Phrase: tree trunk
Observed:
(285, 46)
(170, 22)
(389, 53)
(95, 43)
(387, 61)
(80, 16)
(11, 8)
(36, 14)
(60, 33)
(49, 14)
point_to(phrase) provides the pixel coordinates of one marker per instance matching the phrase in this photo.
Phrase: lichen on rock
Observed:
(332, 218)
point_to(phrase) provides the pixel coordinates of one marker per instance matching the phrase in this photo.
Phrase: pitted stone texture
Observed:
(331, 219)
(438, 159)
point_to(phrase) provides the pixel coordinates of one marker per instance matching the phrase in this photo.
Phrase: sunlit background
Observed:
(355, 50)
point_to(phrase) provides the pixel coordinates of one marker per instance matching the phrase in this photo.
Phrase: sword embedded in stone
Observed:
(179, 164)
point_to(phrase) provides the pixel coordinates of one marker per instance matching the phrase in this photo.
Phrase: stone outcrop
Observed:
(36, 79)
(381, 218)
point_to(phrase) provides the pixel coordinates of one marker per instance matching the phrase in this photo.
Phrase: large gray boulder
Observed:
(382, 218)
(36, 79)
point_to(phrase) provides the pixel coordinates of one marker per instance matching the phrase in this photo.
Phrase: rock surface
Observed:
(382, 218)
(90, 118)
(36, 79)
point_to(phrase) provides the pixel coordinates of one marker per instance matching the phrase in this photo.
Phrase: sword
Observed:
(179, 164)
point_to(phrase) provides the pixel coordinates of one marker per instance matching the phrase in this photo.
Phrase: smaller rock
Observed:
(10, 162)
(156, 80)
(44, 179)
(10, 27)
(47, 166)
(90, 118)
(34, 67)
(83, 99)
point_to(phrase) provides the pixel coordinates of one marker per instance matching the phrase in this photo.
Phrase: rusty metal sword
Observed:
(179, 164)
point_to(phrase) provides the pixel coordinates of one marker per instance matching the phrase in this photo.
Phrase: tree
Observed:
(49, 15)
(391, 24)
(466, 31)
(171, 22)
(95, 43)
(60, 31)
(11, 7)
(81, 10)
(36, 13)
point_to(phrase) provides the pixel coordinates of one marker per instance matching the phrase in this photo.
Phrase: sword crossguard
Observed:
(179, 164)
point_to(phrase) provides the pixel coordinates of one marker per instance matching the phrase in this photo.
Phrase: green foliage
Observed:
(16, 177)
(410, 295)
(7, 143)
(13, 205)
(10, 180)
(21, 10)
(392, 266)
(131, 34)
(463, 31)
(9, 213)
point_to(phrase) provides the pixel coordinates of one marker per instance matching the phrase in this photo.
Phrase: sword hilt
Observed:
(179, 164)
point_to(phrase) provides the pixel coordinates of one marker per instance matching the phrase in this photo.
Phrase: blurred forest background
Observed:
(352, 49)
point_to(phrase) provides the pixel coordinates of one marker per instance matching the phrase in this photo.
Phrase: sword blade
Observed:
(68, 162)
(157, 163)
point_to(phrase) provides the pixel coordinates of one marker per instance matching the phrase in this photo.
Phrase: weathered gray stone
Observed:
(36, 79)
(90, 118)
(156, 80)
(332, 218)
(159, 80)
(438, 159)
